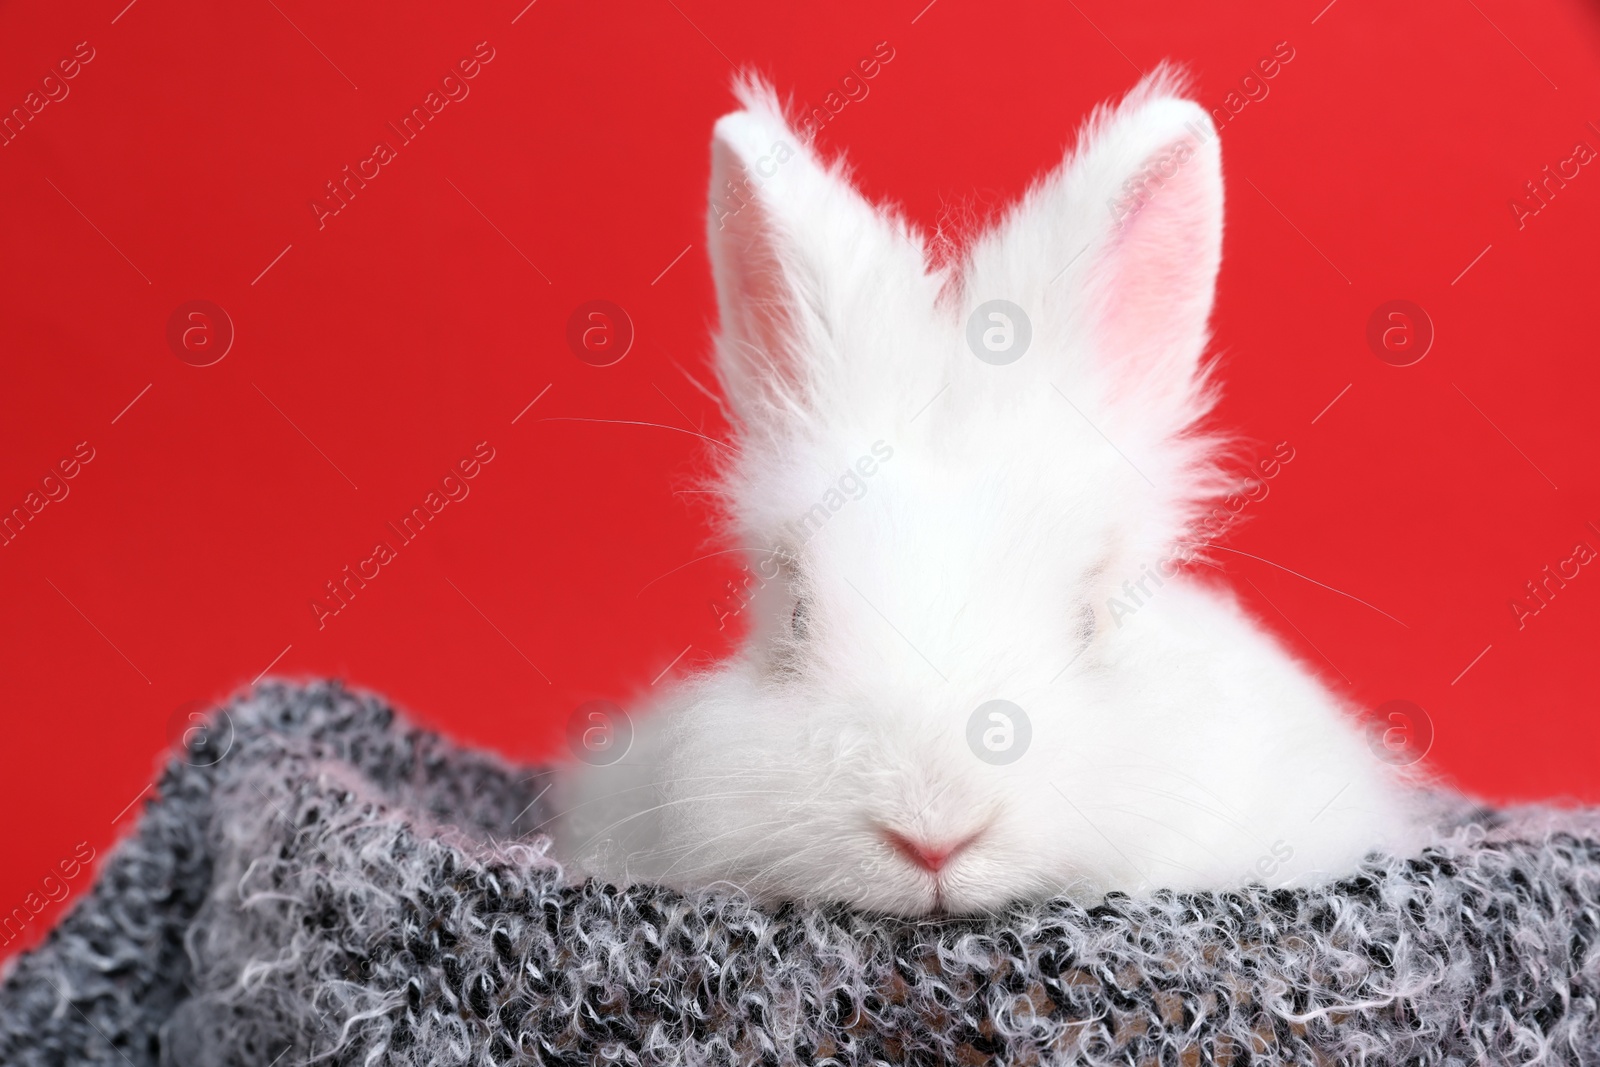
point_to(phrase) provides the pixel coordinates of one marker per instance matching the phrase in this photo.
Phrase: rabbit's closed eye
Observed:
(797, 620)
(1088, 623)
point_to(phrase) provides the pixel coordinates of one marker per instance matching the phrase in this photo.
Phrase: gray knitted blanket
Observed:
(342, 888)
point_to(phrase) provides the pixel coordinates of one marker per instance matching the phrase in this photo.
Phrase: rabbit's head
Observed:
(944, 471)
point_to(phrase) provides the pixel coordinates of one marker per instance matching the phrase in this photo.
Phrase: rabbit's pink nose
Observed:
(930, 857)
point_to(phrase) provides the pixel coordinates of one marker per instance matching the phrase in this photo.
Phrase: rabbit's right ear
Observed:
(799, 258)
(1119, 247)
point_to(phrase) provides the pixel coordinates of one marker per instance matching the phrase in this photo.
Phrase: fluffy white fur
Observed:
(1178, 747)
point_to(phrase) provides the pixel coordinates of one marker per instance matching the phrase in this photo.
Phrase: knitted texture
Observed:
(341, 888)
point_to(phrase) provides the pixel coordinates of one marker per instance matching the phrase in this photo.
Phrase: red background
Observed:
(377, 350)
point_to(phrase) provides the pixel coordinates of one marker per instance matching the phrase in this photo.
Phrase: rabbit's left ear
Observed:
(805, 268)
(1120, 246)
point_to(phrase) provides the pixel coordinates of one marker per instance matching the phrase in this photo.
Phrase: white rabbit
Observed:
(1026, 461)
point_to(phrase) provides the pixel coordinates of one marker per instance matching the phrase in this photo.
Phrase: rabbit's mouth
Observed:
(936, 859)
(948, 903)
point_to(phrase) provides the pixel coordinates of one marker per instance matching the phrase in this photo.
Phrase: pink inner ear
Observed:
(1162, 260)
(755, 298)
